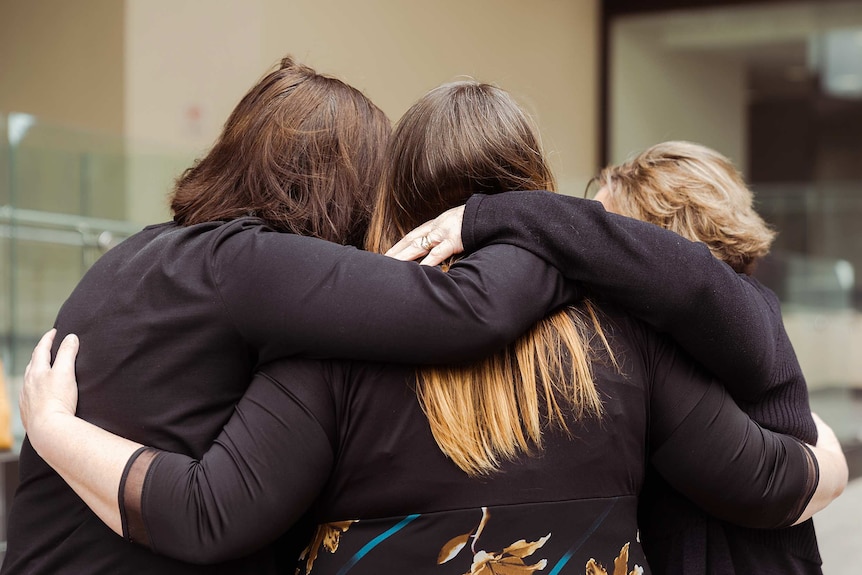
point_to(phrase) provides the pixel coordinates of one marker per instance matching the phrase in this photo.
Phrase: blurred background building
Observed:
(104, 102)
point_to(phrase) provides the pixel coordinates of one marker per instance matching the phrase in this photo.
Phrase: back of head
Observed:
(301, 150)
(695, 192)
(460, 138)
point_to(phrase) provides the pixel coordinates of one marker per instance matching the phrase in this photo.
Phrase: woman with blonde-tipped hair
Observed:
(461, 138)
(532, 459)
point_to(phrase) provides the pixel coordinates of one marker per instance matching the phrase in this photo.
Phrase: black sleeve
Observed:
(281, 434)
(675, 285)
(292, 295)
(713, 453)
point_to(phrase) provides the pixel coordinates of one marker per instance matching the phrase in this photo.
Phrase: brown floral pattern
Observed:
(514, 559)
(509, 561)
(327, 536)
(621, 565)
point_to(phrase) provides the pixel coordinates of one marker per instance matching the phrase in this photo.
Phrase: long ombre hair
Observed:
(302, 151)
(462, 138)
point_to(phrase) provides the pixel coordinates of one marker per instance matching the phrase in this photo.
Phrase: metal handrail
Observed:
(66, 229)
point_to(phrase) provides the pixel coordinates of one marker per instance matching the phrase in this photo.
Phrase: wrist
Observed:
(47, 426)
(470, 222)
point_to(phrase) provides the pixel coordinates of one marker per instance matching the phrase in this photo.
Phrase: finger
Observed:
(409, 254)
(41, 356)
(414, 247)
(405, 243)
(64, 363)
(439, 253)
(410, 243)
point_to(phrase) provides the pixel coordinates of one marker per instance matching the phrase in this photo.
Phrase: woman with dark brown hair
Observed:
(175, 319)
(533, 457)
(301, 151)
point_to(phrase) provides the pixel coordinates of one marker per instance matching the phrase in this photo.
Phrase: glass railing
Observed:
(815, 268)
(66, 196)
(819, 246)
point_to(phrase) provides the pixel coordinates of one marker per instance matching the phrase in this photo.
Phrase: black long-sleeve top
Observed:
(349, 442)
(729, 322)
(174, 320)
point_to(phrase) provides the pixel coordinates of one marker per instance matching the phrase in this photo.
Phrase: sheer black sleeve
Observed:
(291, 295)
(713, 453)
(675, 285)
(224, 505)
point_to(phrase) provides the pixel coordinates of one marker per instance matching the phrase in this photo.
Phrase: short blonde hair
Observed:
(696, 192)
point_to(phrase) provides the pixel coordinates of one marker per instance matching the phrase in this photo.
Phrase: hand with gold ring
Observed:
(437, 240)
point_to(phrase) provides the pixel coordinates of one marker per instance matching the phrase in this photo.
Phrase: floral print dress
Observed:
(408, 544)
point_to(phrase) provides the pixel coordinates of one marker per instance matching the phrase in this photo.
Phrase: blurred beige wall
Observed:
(166, 73)
(189, 62)
(63, 61)
(544, 52)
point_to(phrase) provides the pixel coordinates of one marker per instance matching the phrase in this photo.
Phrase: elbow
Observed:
(484, 336)
(188, 523)
(500, 334)
(761, 503)
(496, 334)
(757, 514)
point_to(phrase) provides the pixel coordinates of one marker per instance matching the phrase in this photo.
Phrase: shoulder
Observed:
(768, 296)
(182, 248)
(254, 237)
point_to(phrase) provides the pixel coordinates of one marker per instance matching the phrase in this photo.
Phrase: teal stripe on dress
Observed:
(574, 549)
(375, 542)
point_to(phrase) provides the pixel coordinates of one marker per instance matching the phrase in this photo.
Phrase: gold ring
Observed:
(425, 244)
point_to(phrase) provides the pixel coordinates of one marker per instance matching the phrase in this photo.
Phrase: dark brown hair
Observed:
(459, 139)
(302, 151)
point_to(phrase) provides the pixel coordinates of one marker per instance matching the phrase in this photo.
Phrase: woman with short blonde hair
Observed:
(698, 193)
(694, 191)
